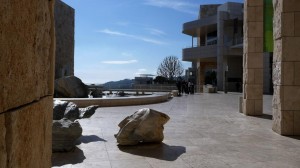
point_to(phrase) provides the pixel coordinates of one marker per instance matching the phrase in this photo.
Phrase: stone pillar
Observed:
(286, 67)
(202, 75)
(220, 51)
(27, 46)
(253, 58)
(198, 79)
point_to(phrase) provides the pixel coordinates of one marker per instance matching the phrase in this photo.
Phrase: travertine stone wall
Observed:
(286, 67)
(253, 57)
(27, 46)
(28, 135)
(64, 30)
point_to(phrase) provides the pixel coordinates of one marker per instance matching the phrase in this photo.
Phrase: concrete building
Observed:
(143, 79)
(219, 47)
(64, 16)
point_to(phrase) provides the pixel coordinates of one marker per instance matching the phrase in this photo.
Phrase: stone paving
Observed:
(205, 130)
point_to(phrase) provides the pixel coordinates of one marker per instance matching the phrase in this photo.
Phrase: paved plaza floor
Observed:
(205, 130)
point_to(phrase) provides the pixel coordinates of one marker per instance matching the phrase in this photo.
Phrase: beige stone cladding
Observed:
(26, 52)
(64, 30)
(28, 132)
(253, 57)
(27, 46)
(286, 67)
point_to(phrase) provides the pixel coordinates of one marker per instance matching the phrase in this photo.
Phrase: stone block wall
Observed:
(286, 67)
(253, 57)
(64, 30)
(27, 46)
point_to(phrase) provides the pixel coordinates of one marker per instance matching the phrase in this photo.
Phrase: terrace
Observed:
(205, 130)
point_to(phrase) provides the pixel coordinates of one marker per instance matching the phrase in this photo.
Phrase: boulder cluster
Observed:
(66, 128)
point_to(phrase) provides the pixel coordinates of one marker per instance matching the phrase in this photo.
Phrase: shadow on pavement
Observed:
(294, 137)
(265, 116)
(160, 151)
(89, 138)
(74, 157)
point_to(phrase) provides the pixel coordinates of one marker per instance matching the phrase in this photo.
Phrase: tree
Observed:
(170, 67)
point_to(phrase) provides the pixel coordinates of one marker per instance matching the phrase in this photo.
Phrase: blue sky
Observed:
(118, 39)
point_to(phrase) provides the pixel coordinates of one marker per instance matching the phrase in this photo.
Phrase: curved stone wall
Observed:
(119, 101)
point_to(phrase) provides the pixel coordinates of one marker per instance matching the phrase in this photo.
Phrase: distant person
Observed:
(191, 87)
(179, 87)
(185, 87)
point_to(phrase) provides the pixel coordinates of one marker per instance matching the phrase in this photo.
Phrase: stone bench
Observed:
(175, 93)
(209, 89)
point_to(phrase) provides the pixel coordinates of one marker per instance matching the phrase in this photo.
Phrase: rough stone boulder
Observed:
(65, 132)
(65, 127)
(145, 125)
(59, 108)
(87, 112)
(69, 110)
(70, 87)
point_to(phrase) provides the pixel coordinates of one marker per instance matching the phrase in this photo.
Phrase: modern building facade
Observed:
(218, 50)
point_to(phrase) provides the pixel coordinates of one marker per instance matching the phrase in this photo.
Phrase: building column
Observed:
(253, 58)
(200, 77)
(286, 67)
(220, 51)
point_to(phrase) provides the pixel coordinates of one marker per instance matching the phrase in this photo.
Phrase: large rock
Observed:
(88, 111)
(65, 127)
(59, 108)
(64, 134)
(145, 125)
(69, 110)
(70, 87)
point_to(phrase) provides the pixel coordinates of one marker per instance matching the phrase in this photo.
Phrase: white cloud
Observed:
(120, 62)
(116, 33)
(178, 5)
(156, 31)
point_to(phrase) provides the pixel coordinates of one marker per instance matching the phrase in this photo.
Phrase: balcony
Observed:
(201, 26)
(200, 53)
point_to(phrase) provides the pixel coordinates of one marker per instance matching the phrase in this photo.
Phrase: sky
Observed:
(120, 39)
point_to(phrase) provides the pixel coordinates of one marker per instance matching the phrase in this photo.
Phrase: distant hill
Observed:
(121, 84)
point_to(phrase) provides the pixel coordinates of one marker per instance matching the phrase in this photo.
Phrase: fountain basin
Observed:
(120, 101)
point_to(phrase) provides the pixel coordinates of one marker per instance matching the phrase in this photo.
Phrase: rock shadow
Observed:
(265, 116)
(88, 138)
(297, 137)
(62, 158)
(160, 151)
